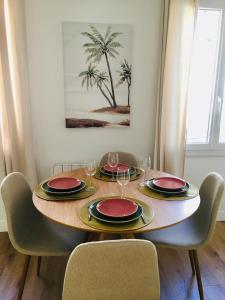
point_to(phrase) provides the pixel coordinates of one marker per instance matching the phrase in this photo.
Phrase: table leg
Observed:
(92, 236)
(100, 236)
(103, 236)
(128, 235)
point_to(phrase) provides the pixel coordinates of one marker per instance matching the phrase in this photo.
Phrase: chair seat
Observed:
(187, 235)
(48, 238)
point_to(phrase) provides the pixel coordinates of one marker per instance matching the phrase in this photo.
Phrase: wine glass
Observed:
(123, 178)
(144, 164)
(90, 170)
(113, 160)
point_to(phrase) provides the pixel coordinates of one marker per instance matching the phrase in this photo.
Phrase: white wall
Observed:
(52, 141)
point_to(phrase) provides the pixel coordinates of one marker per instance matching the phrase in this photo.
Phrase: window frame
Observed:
(213, 147)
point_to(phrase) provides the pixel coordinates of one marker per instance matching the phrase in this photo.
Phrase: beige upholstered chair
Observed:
(31, 233)
(118, 270)
(196, 231)
(124, 157)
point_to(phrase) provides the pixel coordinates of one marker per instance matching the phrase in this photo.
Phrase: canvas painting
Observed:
(97, 74)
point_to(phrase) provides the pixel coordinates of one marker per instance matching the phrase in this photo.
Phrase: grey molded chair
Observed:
(196, 231)
(31, 233)
(124, 157)
(118, 270)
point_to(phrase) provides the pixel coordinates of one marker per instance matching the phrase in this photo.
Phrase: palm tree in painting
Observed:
(89, 76)
(103, 46)
(125, 76)
(93, 76)
(101, 80)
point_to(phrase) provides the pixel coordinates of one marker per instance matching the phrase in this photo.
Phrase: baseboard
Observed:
(3, 225)
(221, 215)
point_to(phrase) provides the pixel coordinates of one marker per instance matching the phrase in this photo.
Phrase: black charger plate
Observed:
(151, 186)
(132, 172)
(123, 220)
(48, 190)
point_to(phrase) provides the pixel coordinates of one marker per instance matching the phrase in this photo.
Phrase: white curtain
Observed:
(16, 152)
(177, 42)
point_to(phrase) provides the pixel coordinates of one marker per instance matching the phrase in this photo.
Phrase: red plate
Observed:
(169, 183)
(64, 183)
(117, 207)
(121, 167)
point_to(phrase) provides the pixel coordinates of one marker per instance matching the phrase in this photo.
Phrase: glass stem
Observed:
(122, 191)
(90, 180)
(144, 176)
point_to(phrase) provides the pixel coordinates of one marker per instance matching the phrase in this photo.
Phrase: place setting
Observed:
(168, 188)
(110, 170)
(117, 213)
(68, 187)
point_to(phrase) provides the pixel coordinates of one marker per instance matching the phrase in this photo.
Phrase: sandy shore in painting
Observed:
(114, 110)
(85, 123)
(102, 117)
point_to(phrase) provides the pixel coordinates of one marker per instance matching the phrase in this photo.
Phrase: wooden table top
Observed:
(167, 213)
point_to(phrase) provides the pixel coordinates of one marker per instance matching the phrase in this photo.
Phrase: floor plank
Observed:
(177, 282)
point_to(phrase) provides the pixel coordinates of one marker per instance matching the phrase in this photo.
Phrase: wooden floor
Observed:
(177, 282)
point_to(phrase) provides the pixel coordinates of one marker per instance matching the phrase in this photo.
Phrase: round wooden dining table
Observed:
(166, 213)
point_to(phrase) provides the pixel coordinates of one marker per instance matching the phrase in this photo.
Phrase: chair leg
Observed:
(38, 265)
(24, 276)
(192, 261)
(198, 274)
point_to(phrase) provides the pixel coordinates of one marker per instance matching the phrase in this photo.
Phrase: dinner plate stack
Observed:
(115, 211)
(120, 168)
(168, 185)
(63, 185)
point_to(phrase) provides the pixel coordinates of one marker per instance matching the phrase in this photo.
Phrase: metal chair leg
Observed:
(198, 274)
(192, 262)
(24, 276)
(38, 265)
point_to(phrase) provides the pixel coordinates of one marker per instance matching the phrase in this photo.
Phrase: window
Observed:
(206, 104)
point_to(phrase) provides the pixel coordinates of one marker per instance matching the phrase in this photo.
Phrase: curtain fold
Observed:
(177, 42)
(16, 151)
